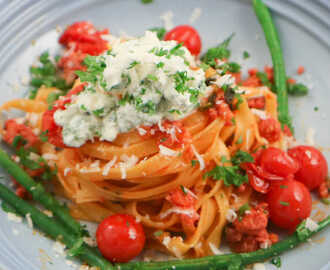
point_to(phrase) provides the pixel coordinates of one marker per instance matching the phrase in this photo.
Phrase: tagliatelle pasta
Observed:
(97, 189)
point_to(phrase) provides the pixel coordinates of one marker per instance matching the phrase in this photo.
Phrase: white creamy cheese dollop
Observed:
(142, 81)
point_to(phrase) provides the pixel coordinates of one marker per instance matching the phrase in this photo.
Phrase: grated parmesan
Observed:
(196, 13)
(309, 139)
(14, 217)
(178, 210)
(259, 266)
(167, 151)
(215, 250)
(260, 113)
(66, 171)
(311, 225)
(29, 220)
(167, 18)
(50, 156)
(231, 215)
(141, 131)
(166, 241)
(109, 165)
(199, 158)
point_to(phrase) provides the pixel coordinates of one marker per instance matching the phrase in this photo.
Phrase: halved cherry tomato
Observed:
(313, 165)
(188, 36)
(120, 238)
(258, 184)
(270, 129)
(14, 129)
(278, 162)
(289, 203)
(85, 38)
(257, 102)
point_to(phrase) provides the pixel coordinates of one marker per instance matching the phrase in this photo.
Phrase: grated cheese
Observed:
(50, 156)
(311, 225)
(59, 248)
(90, 241)
(109, 165)
(214, 249)
(166, 241)
(167, 151)
(29, 220)
(141, 131)
(167, 20)
(66, 171)
(196, 13)
(178, 210)
(123, 171)
(199, 158)
(260, 113)
(309, 139)
(14, 217)
(33, 156)
(259, 266)
(231, 215)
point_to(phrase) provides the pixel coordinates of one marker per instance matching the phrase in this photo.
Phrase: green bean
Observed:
(274, 46)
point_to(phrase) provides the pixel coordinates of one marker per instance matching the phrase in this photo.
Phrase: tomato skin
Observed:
(258, 184)
(188, 36)
(270, 129)
(313, 165)
(120, 238)
(289, 203)
(54, 132)
(278, 162)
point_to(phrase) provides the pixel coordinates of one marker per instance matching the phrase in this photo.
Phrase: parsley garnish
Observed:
(246, 55)
(276, 261)
(241, 157)
(297, 89)
(245, 207)
(133, 64)
(160, 65)
(183, 190)
(316, 109)
(158, 233)
(152, 77)
(239, 140)
(43, 136)
(284, 203)
(160, 32)
(230, 175)
(194, 162)
(46, 74)
(220, 52)
(98, 112)
(52, 97)
(146, 1)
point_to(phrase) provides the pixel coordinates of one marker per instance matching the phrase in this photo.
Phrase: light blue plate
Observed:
(304, 29)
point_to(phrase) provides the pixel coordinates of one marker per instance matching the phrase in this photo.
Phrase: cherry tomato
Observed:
(278, 162)
(188, 36)
(270, 129)
(258, 184)
(54, 132)
(84, 37)
(313, 165)
(14, 129)
(120, 238)
(289, 203)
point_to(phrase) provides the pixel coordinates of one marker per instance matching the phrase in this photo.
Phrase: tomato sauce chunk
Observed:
(14, 129)
(270, 129)
(248, 232)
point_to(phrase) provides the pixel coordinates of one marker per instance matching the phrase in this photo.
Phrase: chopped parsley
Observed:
(98, 112)
(152, 77)
(220, 52)
(284, 203)
(316, 109)
(194, 162)
(239, 140)
(160, 65)
(52, 97)
(160, 31)
(230, 175)
(241, 211)
(241, 157)
(46, 74)
(297, 89)
(276, 261)
(184, 190)
(43, 136)
(158, 233)
(146, 1)
(246, 55)
(133, 64)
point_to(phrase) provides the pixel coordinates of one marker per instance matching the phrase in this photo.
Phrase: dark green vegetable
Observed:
(46, 74)
(51, 227)
(39, 194)
(241, 157)
(146, 1)
(161, 31)
(231, 261)
(273, 42)
(277, 261)
(246, 55)
(220, 52)
(297, 89)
